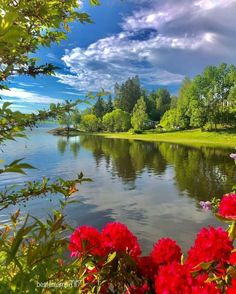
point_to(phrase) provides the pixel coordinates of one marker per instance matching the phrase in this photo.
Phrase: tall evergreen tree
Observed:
(109, 105)
(99, 108)
(163, 102)
(127, 94)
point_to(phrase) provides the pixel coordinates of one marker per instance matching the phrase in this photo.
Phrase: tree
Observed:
(162, 102)
(127, 94)
(213, 88)
(21, 26)
(90, 123)
(109, 105)
(151, 106)
(139, 115)
(170, 119)
(30, 249)
(65, 120)
(116, 121)
(99, 107)
(75, 117)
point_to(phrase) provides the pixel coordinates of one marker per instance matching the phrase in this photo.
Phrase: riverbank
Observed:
(190, 137)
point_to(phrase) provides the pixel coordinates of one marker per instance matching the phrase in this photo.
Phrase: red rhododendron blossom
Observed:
(232, 288)
(227, 206)
(206, 288)
(117, 237)
(174, 278)
(166, 251)
(85, 240)
(212, 244)
(147, 268)
(202, 287)
(232, 259)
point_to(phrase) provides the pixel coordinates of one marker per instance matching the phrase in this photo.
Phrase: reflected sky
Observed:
(154, 188)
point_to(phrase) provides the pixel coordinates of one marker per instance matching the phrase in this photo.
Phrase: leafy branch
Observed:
(40, 188)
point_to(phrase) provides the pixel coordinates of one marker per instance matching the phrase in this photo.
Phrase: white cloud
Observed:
(23, 96)
(160, 43)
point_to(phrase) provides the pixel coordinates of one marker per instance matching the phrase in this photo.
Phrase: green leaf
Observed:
(111, 257)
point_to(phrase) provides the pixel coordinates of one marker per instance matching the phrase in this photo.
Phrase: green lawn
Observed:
(190, 137)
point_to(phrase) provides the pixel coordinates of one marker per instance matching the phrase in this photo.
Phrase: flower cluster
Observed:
(227, 206)
(111, 259)
(210, 265)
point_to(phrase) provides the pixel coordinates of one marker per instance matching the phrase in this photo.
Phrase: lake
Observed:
(153, 187)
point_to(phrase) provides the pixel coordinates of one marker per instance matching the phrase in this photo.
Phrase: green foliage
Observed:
(116, 121)
(26, 25)
(13, 194)
(14, 123)
(127, 94)
(31, 252)
(90, 123)
(99, 107)
(109, 105)
(75, 117)
(139, 115)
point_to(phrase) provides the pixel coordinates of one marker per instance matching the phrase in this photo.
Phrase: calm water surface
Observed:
(154, 188)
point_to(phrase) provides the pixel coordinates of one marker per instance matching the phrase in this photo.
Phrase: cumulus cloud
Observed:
(17, 95)
(161, 43)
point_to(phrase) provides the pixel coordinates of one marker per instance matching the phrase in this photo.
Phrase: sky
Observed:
(162, 41)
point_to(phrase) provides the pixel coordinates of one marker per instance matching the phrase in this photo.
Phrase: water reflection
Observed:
(154, 188)
(201, 172)
(72, 143)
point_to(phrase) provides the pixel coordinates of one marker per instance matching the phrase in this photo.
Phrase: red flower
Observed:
(117, 237)
(227, 206)
(174, 278)
(207, 288)
(211, 244)
(232, 289)
(85, 240)
(202, 287)
(232, 259)
(147, 268)
(166, 251)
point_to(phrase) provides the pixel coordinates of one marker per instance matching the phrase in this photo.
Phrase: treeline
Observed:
(207, 101)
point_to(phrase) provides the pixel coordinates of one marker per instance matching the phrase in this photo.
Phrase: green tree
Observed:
(27, 25)
(75, 117)
(151, 106)
(213, 88)
(139, 115)
(162, 102)
(109, 105)
(116, 121)
(65, 120)
(127, 94)
(170, 119)
(90, 123)
(99, 107)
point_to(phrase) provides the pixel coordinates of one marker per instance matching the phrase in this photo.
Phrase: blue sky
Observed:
(162, 41)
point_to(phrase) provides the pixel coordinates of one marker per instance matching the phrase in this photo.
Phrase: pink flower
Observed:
(117, 237)
(233, 156)
(227, 206)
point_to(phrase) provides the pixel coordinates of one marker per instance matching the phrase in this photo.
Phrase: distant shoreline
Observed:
(190, 137)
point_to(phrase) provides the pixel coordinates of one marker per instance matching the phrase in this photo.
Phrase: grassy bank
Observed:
(191, 137)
